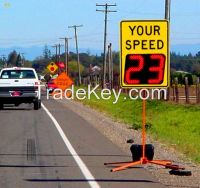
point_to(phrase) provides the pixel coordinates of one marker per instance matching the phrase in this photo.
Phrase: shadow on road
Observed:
(16, 109)
(90, 180)
(64, 155)
(31, 166)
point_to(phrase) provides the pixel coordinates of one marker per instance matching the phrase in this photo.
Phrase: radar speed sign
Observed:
(144, 54)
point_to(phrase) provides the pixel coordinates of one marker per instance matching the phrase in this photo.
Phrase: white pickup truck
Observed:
(19, 85)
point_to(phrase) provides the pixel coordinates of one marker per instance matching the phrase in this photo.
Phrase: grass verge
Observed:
(172, 124)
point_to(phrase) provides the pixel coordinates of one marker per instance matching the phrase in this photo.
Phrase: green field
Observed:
(173, 124)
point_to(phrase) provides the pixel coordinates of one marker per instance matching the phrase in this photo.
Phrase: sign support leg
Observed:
(143, 159)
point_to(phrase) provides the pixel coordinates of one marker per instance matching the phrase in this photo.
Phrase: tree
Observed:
(198, 54)
(196, 69)
(41, 62)
(73, 68)
(12, 59)
(190, 79)
(18, 61)
(115, 57)
(28, 64)
(46, 52)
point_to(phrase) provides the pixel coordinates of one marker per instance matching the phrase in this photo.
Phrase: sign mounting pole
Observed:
(143, 124)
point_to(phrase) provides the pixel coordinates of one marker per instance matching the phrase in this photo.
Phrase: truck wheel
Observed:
(1, 106)
(37, 104)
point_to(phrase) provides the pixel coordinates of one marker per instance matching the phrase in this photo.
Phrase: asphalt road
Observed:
(34, 153)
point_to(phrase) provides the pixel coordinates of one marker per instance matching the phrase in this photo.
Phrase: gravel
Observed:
(119, 133)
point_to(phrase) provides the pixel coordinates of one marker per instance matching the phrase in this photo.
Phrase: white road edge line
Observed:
(89, 177)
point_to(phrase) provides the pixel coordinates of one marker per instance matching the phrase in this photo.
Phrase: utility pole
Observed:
(66, 54)
(167, 9)
(4, 63)
(23, 59)
(56, 47)
(78, 61)
(110, 65)
(106, 6)
(59, 46)
(167, 17)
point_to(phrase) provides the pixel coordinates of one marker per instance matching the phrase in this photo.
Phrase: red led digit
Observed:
(158, 69)
(133, 69)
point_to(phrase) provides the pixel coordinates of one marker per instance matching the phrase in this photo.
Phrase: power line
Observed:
(106, 11)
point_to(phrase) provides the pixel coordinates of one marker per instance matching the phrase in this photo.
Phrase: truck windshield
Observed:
(17, 74)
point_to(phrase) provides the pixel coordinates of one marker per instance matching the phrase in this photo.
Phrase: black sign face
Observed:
(144, 69)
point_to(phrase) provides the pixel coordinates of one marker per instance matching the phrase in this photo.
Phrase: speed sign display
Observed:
(144, 54)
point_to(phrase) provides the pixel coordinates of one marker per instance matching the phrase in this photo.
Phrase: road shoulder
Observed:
(119, 133)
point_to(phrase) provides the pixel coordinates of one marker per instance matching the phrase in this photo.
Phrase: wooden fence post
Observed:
(173, 92)
(197, 91)
(186, 91)
(168, 93)
(176, 89)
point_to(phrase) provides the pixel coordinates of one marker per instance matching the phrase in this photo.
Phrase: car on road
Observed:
(51, 86)
(19, 85)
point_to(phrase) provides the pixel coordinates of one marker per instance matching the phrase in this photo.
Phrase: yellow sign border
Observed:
(54, 65)
(122, 84)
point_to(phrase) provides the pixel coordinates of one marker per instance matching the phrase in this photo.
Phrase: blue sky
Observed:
(36, 23)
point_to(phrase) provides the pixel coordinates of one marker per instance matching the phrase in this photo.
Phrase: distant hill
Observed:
(185, 49)
(32, 52)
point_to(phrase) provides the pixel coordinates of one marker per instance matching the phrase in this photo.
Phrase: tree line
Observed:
(14, 59)
(181, 65)
(185, 63)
